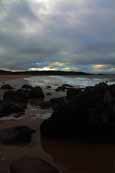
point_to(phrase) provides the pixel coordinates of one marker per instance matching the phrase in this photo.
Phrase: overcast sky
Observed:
(58, 35)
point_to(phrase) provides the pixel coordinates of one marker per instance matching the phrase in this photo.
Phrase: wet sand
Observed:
(33, 150)
(82, 158)
(9, 77)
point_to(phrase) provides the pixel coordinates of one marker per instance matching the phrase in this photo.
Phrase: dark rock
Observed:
(45, 105)
(18, 115)
(7, 87)
(112, 90)
(9, 95)
(35, 101)
(86, 114)
(48, 87)
(32, 166)
(72, 92)
(27, 87)
(59, 89)
(16, 135)
(49, 94)
(63, 87)
(24, 94)
(37, 92)
(57, 103)
(8, 108)
(66, 86)
(16, 96)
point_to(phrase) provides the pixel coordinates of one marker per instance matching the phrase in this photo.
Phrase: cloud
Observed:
(77, 33)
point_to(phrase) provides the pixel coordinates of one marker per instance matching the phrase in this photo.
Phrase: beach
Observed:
(33, 150)
(68, 156)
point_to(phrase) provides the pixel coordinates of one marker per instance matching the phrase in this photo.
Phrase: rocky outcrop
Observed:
(84, 113)
(48, 87)
(45, 105)
(16, 96)
(37, 92)
(16, 135)
(6, 87)
(72, 92)
(8, 108)
(16, 101)
(63, 87)
(25, 93)
(27, 87)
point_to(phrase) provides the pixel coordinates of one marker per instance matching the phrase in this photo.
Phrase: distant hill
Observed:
(6, 72)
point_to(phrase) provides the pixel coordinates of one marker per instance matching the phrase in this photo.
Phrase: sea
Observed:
(76, 81)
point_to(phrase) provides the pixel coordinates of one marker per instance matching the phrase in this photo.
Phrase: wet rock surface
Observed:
(7, 87)
(86, 114)
(16, 135)
(36, 92)
(16, 101)
(63, 87)
(8, 108)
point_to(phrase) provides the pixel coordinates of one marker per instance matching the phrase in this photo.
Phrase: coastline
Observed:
(71, 156)
(34, 150)
(11, 77)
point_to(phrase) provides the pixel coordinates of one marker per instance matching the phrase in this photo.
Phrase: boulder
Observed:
(85, 114)
(63, 87)
(27, 87)
(72, 92)
(45, 105)
(8, 108)
(7, 87)
(57, 103)
(16, 96)
(16, 135)
(48, 87)
(48, 94)
(37, 92)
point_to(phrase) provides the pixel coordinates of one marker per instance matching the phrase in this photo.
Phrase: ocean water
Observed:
(76, 81)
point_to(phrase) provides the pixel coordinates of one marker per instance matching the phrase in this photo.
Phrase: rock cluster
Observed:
(85, 114)
(16, 135)
(15, 101)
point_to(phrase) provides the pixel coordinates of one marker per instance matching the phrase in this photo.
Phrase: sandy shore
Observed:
(82, 158)
(34, 150)
(9, 77)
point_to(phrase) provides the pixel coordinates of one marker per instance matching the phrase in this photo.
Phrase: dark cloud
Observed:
(78, 33)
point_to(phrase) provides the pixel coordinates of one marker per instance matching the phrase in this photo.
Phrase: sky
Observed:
(77, 35)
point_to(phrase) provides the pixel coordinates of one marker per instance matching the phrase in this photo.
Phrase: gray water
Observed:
(76, 81)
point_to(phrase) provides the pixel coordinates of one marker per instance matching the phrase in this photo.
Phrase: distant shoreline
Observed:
(2, 72)
(50, 73)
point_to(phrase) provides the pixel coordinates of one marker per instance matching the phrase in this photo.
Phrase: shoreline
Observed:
(70, 155)
(8, 153)
(11, 77)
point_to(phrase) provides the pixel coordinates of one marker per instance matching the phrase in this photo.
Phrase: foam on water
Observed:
(77, 81)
